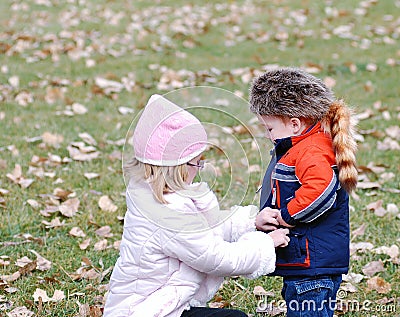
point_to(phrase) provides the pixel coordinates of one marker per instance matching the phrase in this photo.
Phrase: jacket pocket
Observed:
(296, 254)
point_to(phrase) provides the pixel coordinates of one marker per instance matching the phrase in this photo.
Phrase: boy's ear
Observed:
(297, 125)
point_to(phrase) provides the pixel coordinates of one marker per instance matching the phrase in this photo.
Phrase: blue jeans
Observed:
(311, 296)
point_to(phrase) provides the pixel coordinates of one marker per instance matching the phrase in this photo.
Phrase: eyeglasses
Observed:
(200, 164)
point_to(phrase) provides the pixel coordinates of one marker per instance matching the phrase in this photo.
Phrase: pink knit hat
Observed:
(167, 135)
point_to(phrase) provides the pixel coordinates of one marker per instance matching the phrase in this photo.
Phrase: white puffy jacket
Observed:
(175, 256)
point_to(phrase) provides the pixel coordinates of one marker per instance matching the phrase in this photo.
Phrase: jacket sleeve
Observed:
(317, 192)
(252, 255)
(240, 220)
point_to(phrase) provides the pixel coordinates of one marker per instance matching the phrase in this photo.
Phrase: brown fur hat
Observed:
(290, 92)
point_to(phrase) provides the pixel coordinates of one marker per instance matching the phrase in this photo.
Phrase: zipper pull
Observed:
(273, 202)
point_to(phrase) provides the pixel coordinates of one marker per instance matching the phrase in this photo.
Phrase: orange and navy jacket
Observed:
(302, 181)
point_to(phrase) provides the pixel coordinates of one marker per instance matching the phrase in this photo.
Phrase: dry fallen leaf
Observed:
(87, 138)
(77, 232)
(359, 231)
(353, 277)
(17, 178)
(392, 251)
(106, 204)
(39, 293)
(23, 261)
(69, 207)
(377, 207)
(77, 108)
(53, 140)
(104, 231)
(379, 284)
(21, 311)
(55, 223)
(260, 291)
(101, 245)
(42, 263)
(84, 245)
(33, 203)
(373, 267)
(91, 175)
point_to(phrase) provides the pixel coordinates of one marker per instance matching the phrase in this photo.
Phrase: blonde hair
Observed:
(162, 179)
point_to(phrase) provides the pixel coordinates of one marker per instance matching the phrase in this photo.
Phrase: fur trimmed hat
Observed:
(167, 135)
(290, 92)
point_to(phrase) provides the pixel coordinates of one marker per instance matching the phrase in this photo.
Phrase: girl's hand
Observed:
(280, 237)
(267, 219)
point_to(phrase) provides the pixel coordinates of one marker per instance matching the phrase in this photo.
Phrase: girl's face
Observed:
(193, 170)
(278, 128)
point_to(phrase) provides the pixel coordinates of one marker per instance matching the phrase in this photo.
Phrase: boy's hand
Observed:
(267, 219)
(282, 222)
(280, 237)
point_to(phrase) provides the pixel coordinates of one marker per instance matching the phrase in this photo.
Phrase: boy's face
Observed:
(277, 128)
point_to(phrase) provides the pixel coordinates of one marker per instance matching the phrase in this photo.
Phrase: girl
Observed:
(177, 245)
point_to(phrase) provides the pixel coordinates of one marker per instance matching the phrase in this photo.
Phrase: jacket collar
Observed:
(283, 145)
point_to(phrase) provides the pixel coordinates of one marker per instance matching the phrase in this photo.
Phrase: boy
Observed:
(306, 185)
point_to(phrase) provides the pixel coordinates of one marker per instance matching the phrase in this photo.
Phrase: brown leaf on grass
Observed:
(106, 204)
(39, 293)
(80, 152)
(95, 311)
(4, 260)
(48, 210)
(54, 94)
(10, 278)
(354, 278)
(330, 82)
(260, 291)
(87, 138)
(24, 98)
(62, 194)
(392, 251)
(117, 245)
(373, 267)
(28, 268)
(91, 175)
(379, 284)
(78, 108)
(85, 244)
(368, 185)
(377, 207)
(84, 309)
(104, 231)
(360, 246)
(23, 261)
(77, 232)
(20, 311)
(101, 245)
(55, 223)
(348, 287)
(69, 207)
(33, 203)
(359, 231)
(42, 263)
(388, 144)
(17, 178)
(393, 132)
(51, 139)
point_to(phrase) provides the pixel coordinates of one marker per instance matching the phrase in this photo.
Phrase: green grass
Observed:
(225, 39)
